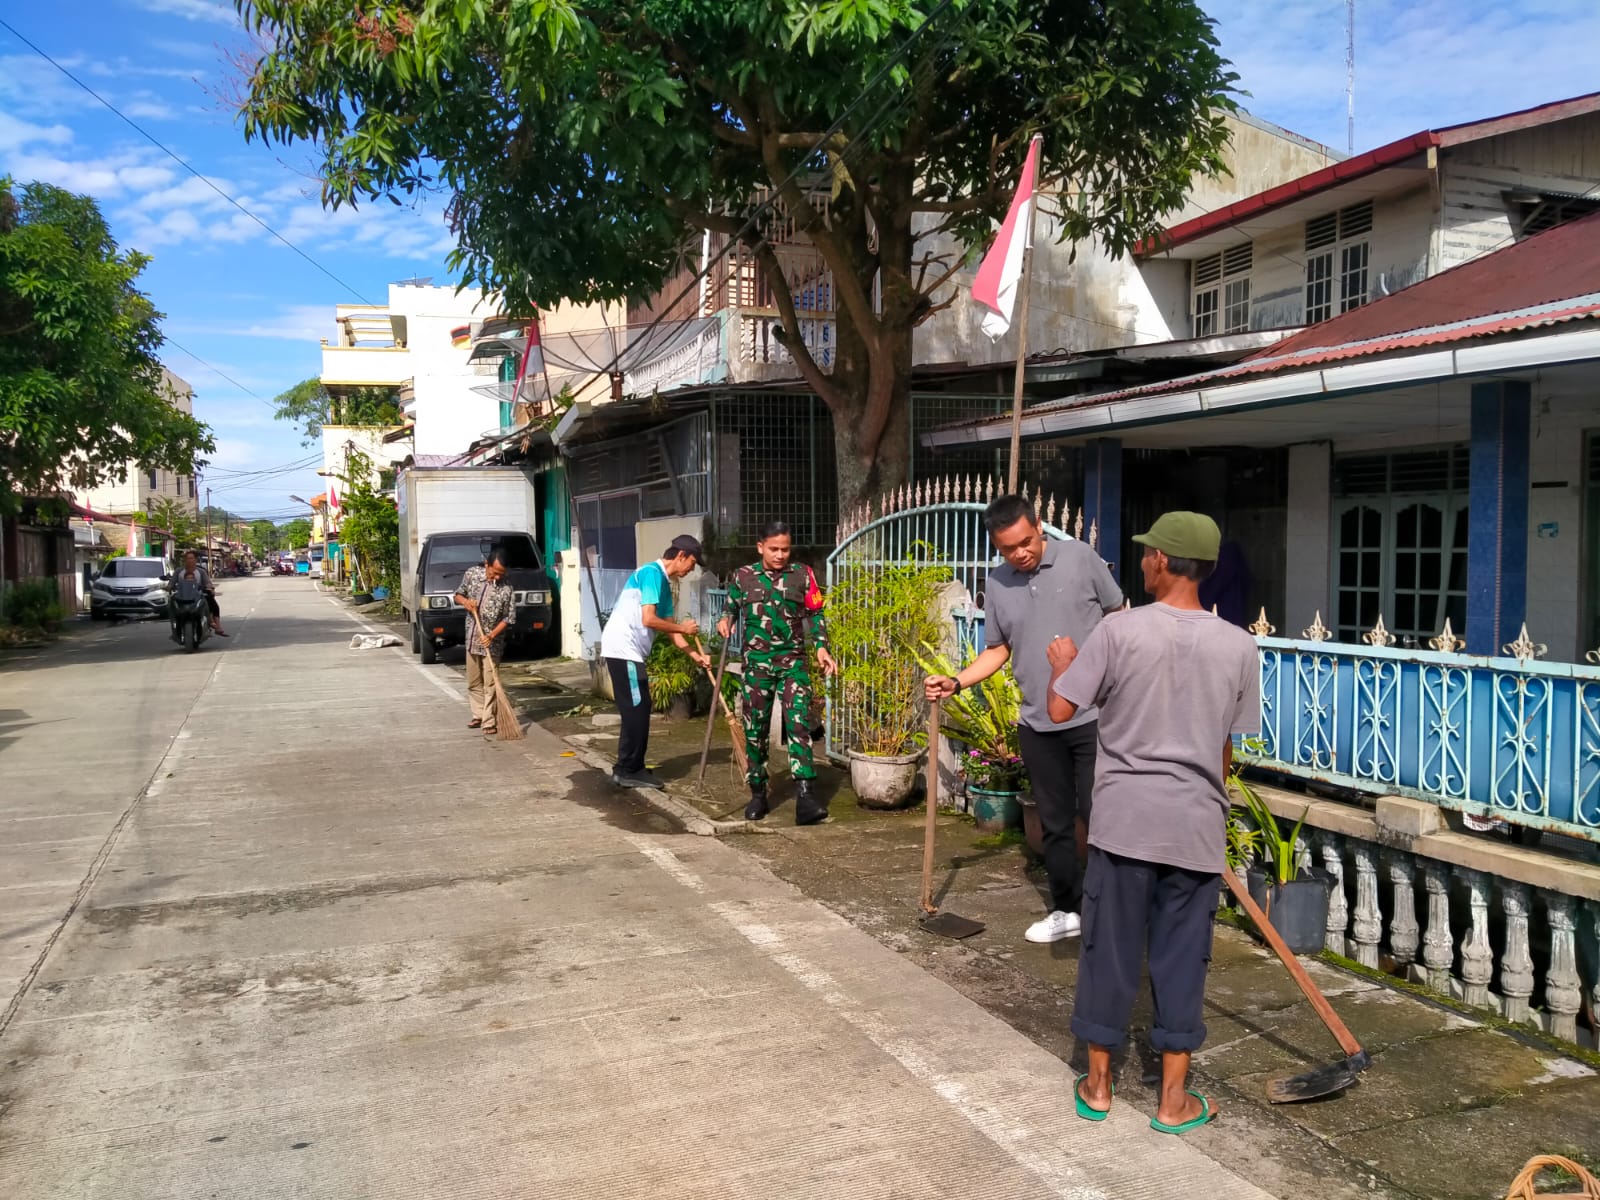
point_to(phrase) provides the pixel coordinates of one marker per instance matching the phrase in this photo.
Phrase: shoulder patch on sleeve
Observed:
(814, 599)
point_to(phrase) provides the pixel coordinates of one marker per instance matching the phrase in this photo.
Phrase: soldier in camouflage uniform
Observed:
(780, 606)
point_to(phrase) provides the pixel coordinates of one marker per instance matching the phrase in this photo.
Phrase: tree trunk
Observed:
(865, 472)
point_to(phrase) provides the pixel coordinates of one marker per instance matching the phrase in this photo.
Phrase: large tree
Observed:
(81, 390)
(310, 405)
(584, 146)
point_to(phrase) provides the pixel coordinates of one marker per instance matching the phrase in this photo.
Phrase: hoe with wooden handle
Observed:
(1322, 1081)
(944, 924)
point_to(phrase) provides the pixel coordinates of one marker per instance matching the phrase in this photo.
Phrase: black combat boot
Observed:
(808, 808)
(757, 808)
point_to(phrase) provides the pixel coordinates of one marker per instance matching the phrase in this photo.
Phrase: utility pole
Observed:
(1350, 76)
(208, 529)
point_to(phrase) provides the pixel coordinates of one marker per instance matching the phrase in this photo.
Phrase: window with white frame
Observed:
(1338, 253)
(1400, 543)
(1220, 292)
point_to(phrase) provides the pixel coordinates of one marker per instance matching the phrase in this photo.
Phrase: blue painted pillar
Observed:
(1497, 546)
(1102, 496)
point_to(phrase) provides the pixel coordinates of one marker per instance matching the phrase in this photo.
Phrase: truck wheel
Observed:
(425, 647)
(416, 639)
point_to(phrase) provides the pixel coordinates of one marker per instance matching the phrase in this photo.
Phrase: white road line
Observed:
(668, 862)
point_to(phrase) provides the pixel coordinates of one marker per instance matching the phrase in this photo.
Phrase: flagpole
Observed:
(1022, 342)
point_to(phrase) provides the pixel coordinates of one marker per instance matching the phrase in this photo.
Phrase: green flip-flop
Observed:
(1084, 1109)
(1205, 1115)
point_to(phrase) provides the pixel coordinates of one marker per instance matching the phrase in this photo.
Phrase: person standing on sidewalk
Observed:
(491, 607)
(1045, 589)
(780, 606)
(1173, 683)
(643, 610)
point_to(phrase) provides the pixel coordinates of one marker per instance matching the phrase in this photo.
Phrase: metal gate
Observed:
(934, 522)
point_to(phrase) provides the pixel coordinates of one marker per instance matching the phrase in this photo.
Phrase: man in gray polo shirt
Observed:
(1046, 589)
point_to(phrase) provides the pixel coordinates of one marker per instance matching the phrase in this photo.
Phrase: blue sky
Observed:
(253, 311)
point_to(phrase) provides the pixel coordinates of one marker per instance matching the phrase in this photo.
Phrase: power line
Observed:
(218, 371)
(159, 145)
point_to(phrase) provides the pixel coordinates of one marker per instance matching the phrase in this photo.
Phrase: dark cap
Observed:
(684, 544)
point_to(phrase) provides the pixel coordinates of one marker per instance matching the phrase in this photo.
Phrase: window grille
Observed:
(1536, 212)
(775, 462)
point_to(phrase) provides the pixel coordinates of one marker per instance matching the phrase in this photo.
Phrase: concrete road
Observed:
(279, 925)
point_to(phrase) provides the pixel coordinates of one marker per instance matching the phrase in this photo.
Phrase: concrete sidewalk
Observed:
(342, 947)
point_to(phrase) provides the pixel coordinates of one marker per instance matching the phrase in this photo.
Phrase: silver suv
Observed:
(130, 587)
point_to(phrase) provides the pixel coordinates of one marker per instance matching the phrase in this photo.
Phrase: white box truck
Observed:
(450, 519)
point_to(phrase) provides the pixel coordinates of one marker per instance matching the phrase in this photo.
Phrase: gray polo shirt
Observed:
(1066, 597)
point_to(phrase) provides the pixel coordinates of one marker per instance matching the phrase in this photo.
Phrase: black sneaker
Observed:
(808, 809)
(757, 808)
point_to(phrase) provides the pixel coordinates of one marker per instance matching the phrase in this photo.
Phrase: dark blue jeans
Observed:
(1130, 906)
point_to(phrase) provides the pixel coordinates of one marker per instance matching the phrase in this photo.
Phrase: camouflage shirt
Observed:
(781, 610)
(496, 603)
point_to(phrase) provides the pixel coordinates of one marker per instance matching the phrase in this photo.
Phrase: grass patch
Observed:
(999, 841)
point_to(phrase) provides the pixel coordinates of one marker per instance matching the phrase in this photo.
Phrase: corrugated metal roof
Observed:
(1545, 280)
(1361, 165)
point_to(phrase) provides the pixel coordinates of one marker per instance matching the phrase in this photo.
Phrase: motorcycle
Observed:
(191, 617)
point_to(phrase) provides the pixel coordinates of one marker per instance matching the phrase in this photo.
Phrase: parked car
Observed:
(130, 587)
(445, 557)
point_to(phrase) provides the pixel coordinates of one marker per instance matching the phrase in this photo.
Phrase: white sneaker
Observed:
(1054, 928)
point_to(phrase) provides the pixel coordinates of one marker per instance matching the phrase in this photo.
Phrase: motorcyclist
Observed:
(194, 573)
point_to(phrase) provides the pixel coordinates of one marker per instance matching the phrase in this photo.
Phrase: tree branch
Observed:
(793, 340)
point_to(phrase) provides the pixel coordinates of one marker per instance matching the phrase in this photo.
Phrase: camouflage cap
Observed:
(1184, 535)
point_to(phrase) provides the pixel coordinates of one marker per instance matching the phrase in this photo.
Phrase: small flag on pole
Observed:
(998, 275)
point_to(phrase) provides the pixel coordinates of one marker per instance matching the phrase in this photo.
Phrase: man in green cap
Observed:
(1173, 684)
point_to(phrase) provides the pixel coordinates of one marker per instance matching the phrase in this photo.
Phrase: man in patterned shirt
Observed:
(485, 596)
(781, 607)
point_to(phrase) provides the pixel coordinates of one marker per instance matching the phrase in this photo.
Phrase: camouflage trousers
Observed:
(782, 678)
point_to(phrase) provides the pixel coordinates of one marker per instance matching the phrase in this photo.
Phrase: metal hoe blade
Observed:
(1327, 1080)
(952, 926)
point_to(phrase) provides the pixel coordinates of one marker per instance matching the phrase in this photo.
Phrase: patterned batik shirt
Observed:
(496, 603)
(781, 610)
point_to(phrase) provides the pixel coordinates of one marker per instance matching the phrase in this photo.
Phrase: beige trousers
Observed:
(480, 692)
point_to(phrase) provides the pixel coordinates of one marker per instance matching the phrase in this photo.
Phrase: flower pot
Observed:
(1032, 831)
(1297, 910)
(883, 781)
(681, 707)
(995, 809)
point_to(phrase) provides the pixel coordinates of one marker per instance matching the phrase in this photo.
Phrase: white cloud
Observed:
(15, 134)
(305, 323)
(192, 10)
(106, 177)
(149, 109)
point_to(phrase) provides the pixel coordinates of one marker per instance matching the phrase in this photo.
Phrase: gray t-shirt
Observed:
(1172, 684)
(1066, 597)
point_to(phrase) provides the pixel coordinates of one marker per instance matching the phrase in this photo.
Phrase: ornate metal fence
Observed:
(1505, 737)
(938, 521)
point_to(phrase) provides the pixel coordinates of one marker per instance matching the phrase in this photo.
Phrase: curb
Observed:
(690, 818)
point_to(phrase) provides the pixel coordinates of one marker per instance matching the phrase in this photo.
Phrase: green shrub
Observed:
(671, 673)
(34, 604)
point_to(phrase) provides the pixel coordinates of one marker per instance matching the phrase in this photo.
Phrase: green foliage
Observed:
(296, 533)
(81, 387)
(985, 717)
(877, 620)
(370, 526)
(1270, 846)
(173, 517)
(263, 537)
(309, 405)
(671, 673)
(34, 605)
(585, 147)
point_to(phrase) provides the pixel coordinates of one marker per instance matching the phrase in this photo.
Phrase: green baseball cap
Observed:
(1184, 535)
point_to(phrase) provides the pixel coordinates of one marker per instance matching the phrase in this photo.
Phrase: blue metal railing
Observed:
(1502, 737)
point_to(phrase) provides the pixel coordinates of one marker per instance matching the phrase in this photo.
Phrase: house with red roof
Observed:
(1421, 442)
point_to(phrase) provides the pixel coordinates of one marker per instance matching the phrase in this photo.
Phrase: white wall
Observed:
(1308, 556)
(1556, 558)
(1089, 300)
(449, 416)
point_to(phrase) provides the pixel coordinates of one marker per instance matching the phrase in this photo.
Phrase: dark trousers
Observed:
(631, 687)
(1129, 905)
(1061, 772)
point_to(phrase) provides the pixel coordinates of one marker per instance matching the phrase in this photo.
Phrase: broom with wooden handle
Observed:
(735, 726)
(507, 725)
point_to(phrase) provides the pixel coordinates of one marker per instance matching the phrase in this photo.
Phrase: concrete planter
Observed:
(883, 782)
(1032, 831)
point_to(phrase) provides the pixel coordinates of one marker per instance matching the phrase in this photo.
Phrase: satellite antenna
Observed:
(1350, 76)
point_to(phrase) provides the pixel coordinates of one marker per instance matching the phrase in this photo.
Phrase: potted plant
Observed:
(985, 718)
(1295, 900)
(672, 675)
(875, 614)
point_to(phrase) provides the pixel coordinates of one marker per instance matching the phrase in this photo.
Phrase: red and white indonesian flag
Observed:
(333, 500)
(1001, 269)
